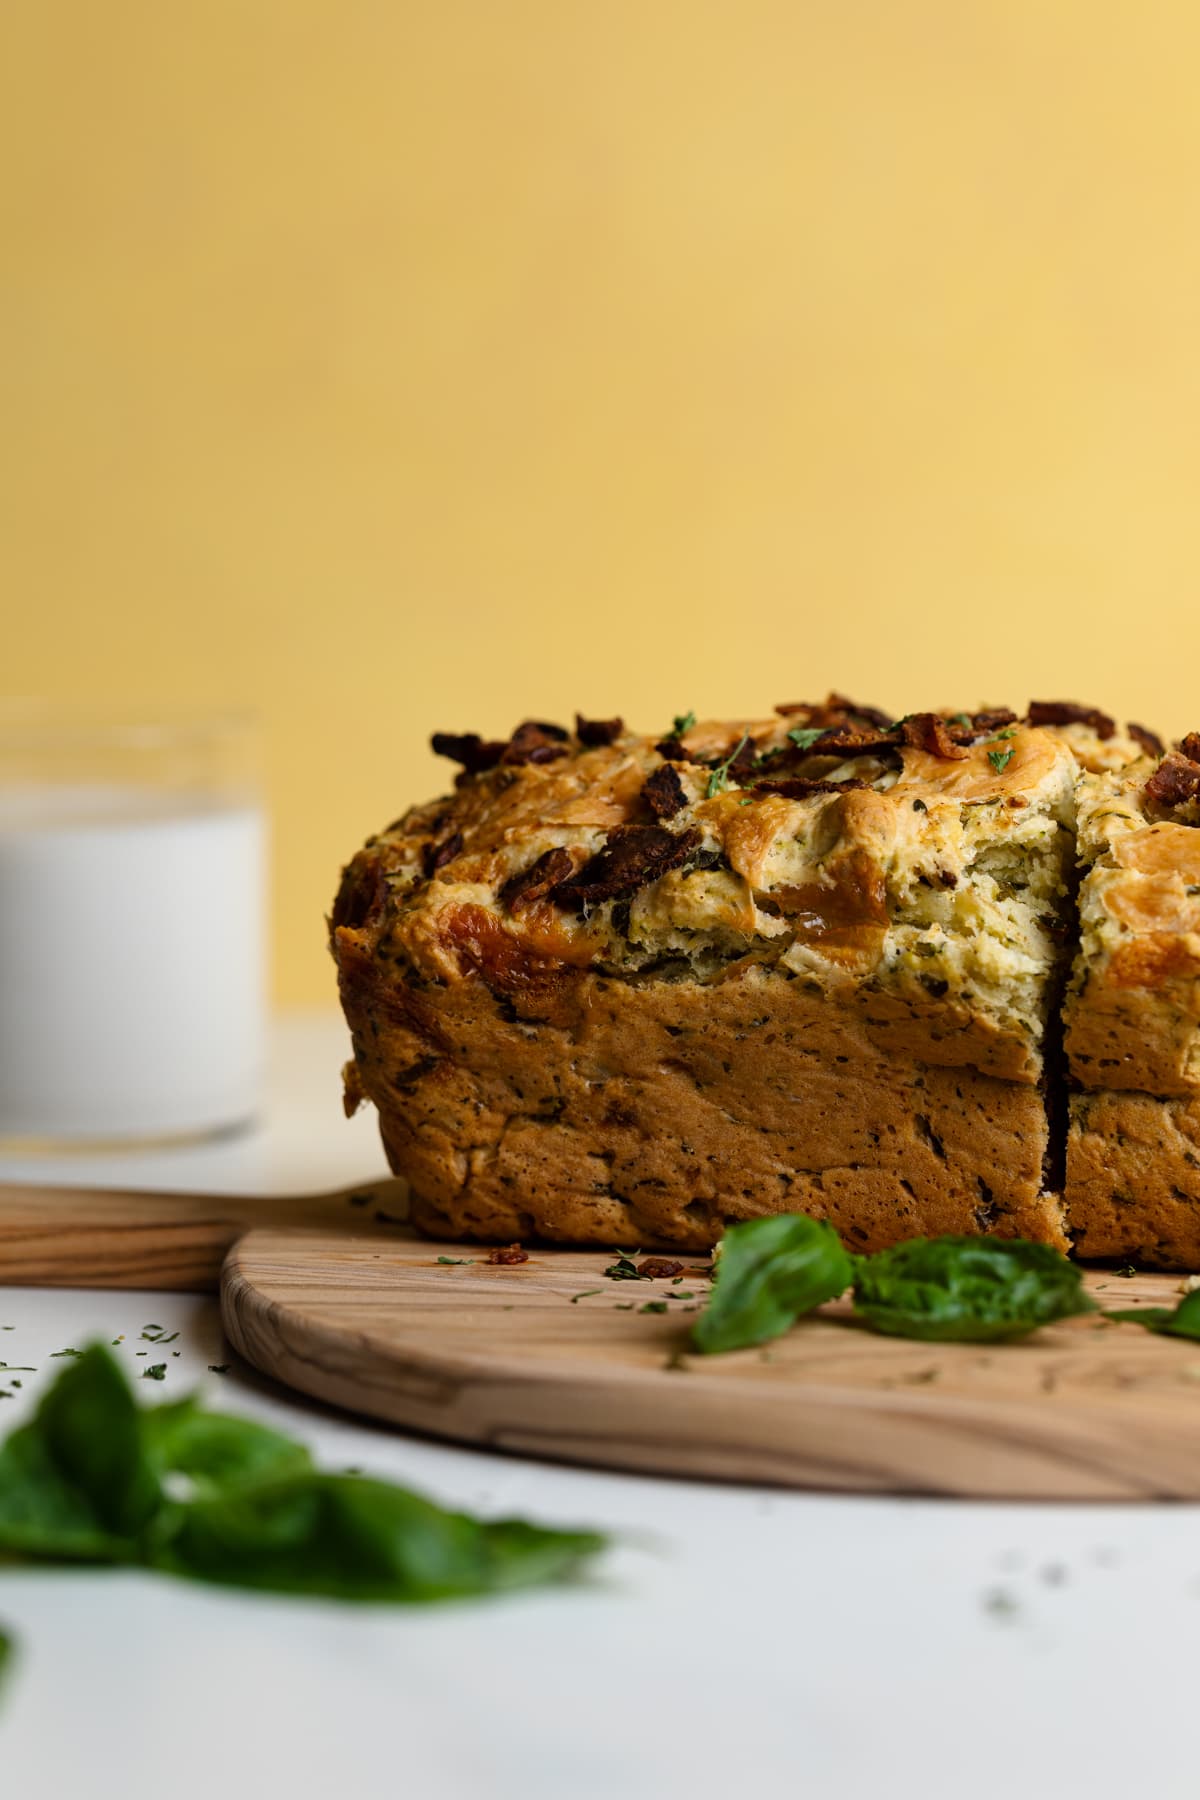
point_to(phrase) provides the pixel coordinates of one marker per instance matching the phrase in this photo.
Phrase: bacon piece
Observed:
(467, 747)
(929, 732)
(535, 743)
(852, 740)
(1189, 746)
(1149, 741)
(664, 793)
(799, 787)
(1067, 712)
(507, 1254)
(593, 732)
(743, 758)
(1174, 783)
(836, 709)
(631, 858)
(362, 893)
(532, 742)
(436, 856)
(533, 883)
(992, 718)
(673, 750)
(659, 1268)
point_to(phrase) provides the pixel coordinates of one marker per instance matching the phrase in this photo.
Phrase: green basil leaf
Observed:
(970, 1289)
(805, 736)
(770, 1272)
(90, 1478)
(354, 1538)
(216, 1450)
(1179, 1321)
(76, 1482)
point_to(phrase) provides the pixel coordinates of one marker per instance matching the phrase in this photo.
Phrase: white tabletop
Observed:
(738, 1641)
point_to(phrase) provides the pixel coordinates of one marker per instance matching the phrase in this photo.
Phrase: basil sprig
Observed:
(94, 1478)
(1172, 1321)
(970, 1289)
(966, 1289)
(770, 1272)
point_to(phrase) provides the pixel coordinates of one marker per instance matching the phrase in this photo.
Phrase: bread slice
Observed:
(1132, 1014)
(618, 989)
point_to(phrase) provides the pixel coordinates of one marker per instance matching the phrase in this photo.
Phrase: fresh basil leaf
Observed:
(970, 1289)
(1178, 1321)
(75, 1482)
(354, 1538)
(770, 1271)
(92, 1477)
(215, 1450)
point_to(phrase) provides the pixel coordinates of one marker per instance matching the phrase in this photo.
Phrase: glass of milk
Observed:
(131, 926)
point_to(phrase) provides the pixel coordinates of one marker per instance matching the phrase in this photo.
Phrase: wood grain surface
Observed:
(552, 1358)
(109, 1238)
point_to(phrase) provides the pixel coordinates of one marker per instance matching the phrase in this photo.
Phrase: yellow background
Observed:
(396, 366)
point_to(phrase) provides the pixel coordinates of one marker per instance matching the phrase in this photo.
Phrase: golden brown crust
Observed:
(1133, 1178)
(1132, 1015)
(592, 1110)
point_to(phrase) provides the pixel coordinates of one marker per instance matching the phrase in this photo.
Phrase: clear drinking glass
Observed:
(132, 929)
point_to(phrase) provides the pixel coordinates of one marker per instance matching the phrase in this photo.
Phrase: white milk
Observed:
(131, 962)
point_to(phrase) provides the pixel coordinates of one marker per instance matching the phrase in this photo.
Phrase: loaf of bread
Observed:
(628, 990)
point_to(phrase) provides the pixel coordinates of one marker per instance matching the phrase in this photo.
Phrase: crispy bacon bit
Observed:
(506, 1254)
(467, 747)
(535, 743)
(853, 740)
(436, 856)
(593, 732)
(673, 750)
(799, 787)
(929, 732)
(1189, 746)
(532, 742)
(1149, 741)
(663, 792)
(743, 758)
(992, 718)
(535, 882)
(362, 893)
(659, 1268)
(1067, 712)
(836, 709)
(1174, 783)
(631, 858)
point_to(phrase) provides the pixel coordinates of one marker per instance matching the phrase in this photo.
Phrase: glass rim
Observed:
(35, 723)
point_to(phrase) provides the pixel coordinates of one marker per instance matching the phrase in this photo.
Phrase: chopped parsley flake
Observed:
(718, 781)
(654, 1306)
(682, 722)
(586, 1294)
(156, 1372)
(999, 759)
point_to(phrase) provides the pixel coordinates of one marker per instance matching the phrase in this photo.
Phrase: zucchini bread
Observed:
(625, 989)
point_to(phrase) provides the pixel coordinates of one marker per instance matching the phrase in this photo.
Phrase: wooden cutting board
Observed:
(553, 1358)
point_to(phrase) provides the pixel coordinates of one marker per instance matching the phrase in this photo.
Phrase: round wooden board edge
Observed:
(691, 1423)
